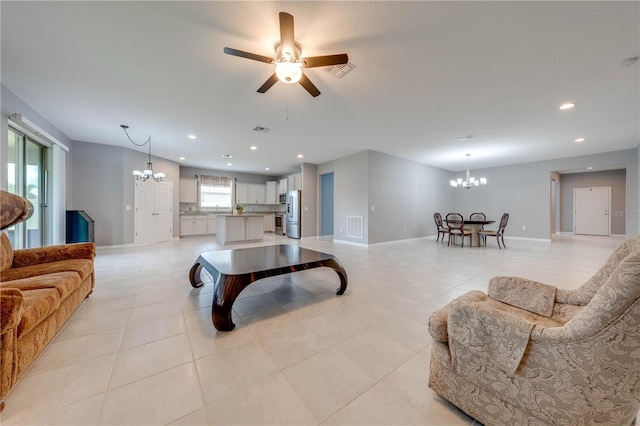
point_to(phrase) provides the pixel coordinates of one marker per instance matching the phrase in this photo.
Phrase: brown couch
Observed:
(40, 288)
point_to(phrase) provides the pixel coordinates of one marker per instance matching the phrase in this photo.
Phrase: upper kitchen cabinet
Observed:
(256, 194)
(271, 195)
(282, 186)
(295, 181)
(250, 193)
(188, 191)
(242, 193)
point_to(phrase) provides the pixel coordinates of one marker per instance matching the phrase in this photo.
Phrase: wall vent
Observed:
(355, 227)
(340, 70)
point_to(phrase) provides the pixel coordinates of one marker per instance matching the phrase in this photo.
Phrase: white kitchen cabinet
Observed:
(295, 181)
(188, 191)
(250, 193)
(211, 225)
(283, 186)
(271, 195)
(193, 225)
(269, 222)
(235, 228)
(254, 228)
(242, 193)
(255, 193)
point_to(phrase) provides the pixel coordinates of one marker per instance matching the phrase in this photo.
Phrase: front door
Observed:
(591, 211)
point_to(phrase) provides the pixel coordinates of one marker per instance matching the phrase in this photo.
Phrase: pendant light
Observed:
(148, 172)
(469, 181)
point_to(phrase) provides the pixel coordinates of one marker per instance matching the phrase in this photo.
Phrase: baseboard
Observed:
(546, 240)
(573, 233)
(401, 241)
(116, 246)
(351, 243)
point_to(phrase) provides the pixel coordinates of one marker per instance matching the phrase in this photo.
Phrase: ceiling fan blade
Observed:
(267, 84)
(287, 40)
(323, 61)
(243, 54)
(309, 86)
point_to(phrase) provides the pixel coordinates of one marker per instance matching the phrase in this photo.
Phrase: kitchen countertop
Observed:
(241, 215)
(226, 214)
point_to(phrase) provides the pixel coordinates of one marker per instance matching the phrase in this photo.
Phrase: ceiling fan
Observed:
(288, 60)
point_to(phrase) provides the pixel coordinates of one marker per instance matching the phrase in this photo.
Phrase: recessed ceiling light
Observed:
(182, 158)
(227, 156)
(590, 168)
(579, 140)
(253, 147)
(192, 137)
(300, 156)
(229, 164)
(567, 105)
(267, 168)
(465, 138)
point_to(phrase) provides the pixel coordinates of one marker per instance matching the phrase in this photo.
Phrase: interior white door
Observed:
(591, 208)
(153, 211)
(144, 221)
(163, 211)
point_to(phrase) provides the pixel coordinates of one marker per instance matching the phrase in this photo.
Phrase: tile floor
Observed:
(142, 350)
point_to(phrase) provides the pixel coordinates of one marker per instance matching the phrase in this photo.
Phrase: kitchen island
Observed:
(239, 228)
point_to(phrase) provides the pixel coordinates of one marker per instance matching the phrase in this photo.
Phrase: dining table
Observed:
(475, 226)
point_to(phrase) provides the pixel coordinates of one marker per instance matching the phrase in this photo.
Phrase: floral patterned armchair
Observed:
(529, 353)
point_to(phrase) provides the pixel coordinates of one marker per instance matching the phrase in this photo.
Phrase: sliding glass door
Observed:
(27, 177)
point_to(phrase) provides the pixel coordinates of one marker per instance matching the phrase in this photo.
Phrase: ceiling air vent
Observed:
(261, 129)
(340, 70)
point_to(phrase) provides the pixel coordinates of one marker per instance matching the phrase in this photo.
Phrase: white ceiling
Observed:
(427, 73)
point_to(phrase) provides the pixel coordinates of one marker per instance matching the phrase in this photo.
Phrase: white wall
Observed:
(309, 202)
(351, 189)
(522, 190)
(103, 186)
(614, 179)
(404, 195)
(58, 196)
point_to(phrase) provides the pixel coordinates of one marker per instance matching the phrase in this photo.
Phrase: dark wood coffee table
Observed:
(233, 270)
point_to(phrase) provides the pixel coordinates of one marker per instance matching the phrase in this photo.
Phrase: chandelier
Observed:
(148, 172)
(469, 181)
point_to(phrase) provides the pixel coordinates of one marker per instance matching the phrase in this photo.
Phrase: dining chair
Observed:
(478, 216)
(440, 225)
(455, 223)
(499, 233)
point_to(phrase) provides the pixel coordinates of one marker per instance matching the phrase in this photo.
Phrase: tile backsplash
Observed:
(249, 208)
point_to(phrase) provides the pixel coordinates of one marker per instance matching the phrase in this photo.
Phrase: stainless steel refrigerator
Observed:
(292, 214)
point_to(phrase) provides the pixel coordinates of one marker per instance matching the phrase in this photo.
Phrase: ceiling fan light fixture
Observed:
(289, 72)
